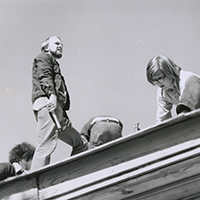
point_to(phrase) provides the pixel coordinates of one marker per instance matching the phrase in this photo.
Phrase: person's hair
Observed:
(21, 151)
(45, 43)
(166, 65)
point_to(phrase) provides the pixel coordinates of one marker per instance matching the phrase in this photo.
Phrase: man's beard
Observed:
(56, 55)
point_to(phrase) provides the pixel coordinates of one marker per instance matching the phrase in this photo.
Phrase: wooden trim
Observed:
(154, 184)
(122, 150)
(122, 172)
(121, 160)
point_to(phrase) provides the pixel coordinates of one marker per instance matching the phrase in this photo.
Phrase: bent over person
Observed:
(20, 159)
(50, 98)
(175, 87)
(102, 129)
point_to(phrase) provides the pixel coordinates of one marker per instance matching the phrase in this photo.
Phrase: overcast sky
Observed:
(107, 45)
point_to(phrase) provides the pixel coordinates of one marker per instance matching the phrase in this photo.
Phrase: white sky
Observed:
(107, 45)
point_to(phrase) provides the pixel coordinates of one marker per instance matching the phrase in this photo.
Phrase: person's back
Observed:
(102, 129)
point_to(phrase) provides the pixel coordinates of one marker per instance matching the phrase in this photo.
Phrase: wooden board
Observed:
(113, 170)
(140, 178)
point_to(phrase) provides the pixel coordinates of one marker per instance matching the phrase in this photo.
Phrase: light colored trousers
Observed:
(48, 136)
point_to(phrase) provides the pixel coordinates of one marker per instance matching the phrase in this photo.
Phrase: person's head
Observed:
(163, 72)
(54, 46)
(22, 154)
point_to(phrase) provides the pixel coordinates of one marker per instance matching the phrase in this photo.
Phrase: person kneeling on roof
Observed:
(102, 129)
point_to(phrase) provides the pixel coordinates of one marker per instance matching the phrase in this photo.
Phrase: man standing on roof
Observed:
(102, 129)
(50, 96)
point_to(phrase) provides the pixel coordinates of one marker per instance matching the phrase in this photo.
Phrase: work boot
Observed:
(82, 148)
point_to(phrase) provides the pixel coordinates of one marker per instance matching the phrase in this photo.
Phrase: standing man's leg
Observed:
(47, 139)
(70, 135)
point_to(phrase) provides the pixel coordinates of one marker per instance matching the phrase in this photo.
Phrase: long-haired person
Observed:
(175, 87)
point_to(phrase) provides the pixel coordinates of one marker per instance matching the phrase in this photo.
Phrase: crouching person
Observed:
(102, 129)
(20, 159)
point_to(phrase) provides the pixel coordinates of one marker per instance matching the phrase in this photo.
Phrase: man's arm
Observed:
(190, 97)
(45, 75)
(45, 71)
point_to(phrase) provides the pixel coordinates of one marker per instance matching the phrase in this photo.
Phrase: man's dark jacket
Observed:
(46, 72)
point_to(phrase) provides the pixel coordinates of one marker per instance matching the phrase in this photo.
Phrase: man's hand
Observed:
(52, 103)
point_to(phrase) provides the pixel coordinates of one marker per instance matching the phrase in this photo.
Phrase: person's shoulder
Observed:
(6, 166)
(6, 170)
(187, 75)
(44, 55)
